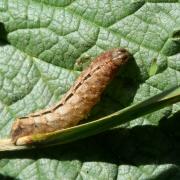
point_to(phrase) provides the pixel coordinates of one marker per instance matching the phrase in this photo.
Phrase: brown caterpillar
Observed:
(77, 102)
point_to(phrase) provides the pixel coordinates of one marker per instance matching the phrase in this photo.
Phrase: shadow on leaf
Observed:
(147, 144)
(2, 177)
(3, 35)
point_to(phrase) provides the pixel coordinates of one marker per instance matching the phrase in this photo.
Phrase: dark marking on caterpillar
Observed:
(77, 102)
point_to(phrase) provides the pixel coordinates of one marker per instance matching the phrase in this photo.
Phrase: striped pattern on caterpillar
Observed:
(77, 102)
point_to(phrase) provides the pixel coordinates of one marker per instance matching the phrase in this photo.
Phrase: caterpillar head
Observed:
(120, 56)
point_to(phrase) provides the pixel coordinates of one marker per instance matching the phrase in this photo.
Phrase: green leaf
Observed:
(153, 69)
(40, 42)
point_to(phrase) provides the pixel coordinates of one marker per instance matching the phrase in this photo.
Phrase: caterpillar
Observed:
(77, 102)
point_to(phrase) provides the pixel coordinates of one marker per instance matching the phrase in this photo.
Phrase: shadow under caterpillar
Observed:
(77, 102)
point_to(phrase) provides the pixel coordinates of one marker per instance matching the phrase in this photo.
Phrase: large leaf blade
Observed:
(146, 28)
